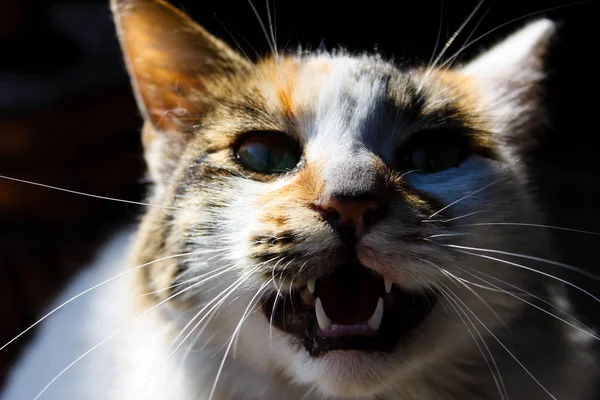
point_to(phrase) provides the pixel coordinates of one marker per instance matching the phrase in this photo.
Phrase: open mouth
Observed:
(351, 309)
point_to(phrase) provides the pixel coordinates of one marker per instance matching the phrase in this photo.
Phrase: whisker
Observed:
(97, 286)
(449, 235)
(533, 258)
(309, 391)
(439, 35)
(191, 279)
(235, 333)
(246, 314)
(223, 296)
(130, 323)
(465, 197)
(452, 277)
(533, 226)
(471, 34)
(531, 295)
(95, 196)
(507, 350)
(496, 376)
(271, 28)
(533, 270)
(264, 29)
(466, 46)
(455, 218)
(448, 44)
(589, 332)
(235, 41)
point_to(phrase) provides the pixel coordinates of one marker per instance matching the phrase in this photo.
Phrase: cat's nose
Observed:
(356, 210)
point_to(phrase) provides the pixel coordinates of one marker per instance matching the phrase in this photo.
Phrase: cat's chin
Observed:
(351, 311)
(347, 373)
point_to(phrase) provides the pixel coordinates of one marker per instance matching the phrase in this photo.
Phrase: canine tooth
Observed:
(375, 320)
(388, 285)
(311, 285)
(322, 318)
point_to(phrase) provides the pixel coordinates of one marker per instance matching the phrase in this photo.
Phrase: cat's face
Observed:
(323, 197)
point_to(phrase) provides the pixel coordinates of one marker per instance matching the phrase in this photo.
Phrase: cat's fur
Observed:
(350, 115)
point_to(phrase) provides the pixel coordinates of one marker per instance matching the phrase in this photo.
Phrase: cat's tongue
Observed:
(349, 302)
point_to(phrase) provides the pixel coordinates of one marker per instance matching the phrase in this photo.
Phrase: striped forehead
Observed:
(336, 102)
(341, 105)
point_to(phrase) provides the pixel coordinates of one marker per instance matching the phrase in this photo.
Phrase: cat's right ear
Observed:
(173, 62)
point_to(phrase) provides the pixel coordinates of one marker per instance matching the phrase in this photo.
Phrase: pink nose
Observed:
(349, 210)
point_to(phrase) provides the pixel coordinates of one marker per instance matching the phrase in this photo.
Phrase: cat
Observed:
(311, 234)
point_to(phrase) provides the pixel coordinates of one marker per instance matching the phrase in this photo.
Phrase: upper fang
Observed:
(311, 285)
(388, 285)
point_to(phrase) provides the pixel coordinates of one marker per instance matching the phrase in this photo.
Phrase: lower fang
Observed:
(375, 320)
(322, 318)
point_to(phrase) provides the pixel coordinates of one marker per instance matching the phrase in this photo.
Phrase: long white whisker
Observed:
(485, 303)
(137, 203)
(97, 286)
(579, 328)
(235, 332)
(195, 278)
(533, 270)
(264, 29)
(110, 337)
(455, 218)
(471, 34)
(508, 351)
(455, 55)
(531, 295)
(533, 258)
(449, 43)
(221, 298)
(271, 28)
(465, 197)
(496, 376)
(245, 316)
(533, 226)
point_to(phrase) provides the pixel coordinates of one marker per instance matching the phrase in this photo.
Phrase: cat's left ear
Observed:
(509, 76)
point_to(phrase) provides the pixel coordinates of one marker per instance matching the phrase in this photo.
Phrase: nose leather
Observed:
(349, 210)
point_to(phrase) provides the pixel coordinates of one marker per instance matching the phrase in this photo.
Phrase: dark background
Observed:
(67, 118)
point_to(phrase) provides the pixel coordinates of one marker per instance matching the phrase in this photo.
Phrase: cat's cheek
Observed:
(471, 186)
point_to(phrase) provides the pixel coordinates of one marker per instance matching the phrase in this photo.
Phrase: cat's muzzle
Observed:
(353, 308)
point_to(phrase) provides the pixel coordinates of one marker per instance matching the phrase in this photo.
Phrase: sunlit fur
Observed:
(258, 233)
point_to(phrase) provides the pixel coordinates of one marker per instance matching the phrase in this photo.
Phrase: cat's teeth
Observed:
(311, 285)
(322, 318)
(375, 320)
(388, 285)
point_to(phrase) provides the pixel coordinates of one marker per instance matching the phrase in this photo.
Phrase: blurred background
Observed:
(68, 119)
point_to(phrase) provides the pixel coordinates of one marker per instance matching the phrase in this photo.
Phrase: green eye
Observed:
(268, 153)
(435, 151)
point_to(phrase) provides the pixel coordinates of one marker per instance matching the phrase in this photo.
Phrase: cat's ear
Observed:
(173, 62)
(510, 73)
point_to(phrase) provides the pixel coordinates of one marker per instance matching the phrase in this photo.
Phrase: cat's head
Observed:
(321, 208)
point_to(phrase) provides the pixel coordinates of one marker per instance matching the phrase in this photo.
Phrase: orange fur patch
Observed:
(283, 74)
(284, 204)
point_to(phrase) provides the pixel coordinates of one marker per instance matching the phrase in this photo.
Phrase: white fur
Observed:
(117, 369)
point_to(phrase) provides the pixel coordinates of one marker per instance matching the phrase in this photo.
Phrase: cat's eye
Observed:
(434, 151)
(268, 153)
